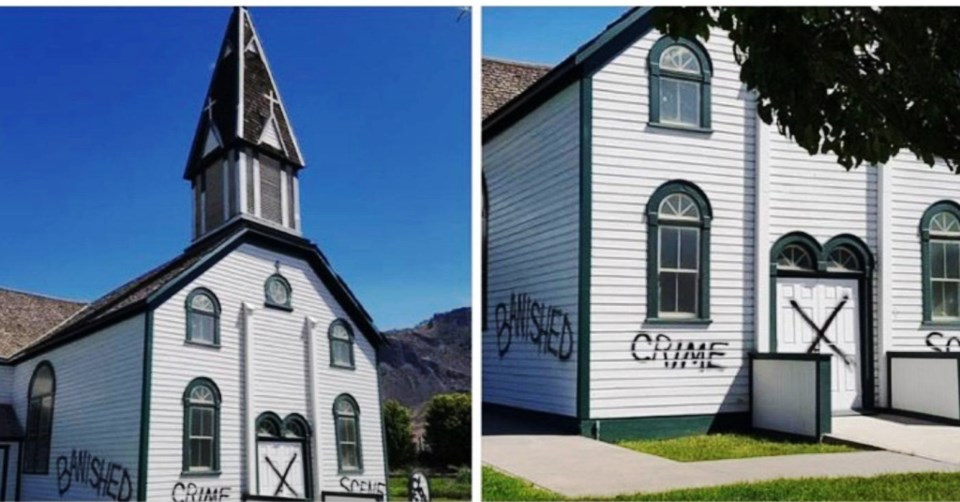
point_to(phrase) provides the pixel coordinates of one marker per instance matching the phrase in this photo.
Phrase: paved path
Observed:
(904, 435)
(578, 467)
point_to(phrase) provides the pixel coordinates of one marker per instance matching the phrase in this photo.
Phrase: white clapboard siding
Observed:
(12, 467)
(96, 407)
(916, 186)
(630, 161)
(533, 181)
(280, 371)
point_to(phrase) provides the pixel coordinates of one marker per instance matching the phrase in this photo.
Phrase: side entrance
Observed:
(821, 304)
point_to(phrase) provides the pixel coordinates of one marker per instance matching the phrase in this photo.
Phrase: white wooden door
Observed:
(818, 299)
(281, 469)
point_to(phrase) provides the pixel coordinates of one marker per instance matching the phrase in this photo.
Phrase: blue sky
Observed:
(542, 34)
(100, 107)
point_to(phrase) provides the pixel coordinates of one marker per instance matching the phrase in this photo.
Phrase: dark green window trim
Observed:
(484, 215)
(187, 407)
(653, 252)
(277, 278)
(283, 427)
(927, 286)
(191, 312)
(336, 427)
(34, 438)
(656, 74)
(864, 276)
(332, 341)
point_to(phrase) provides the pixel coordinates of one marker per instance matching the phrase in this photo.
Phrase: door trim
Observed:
(864, 280)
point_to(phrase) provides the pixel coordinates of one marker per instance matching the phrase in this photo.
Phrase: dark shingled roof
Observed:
(241, 66)
(25, 317)
(504, 80)
(9, 425)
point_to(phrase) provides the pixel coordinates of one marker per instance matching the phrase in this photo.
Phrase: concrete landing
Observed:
(900, 434)
(579, 467)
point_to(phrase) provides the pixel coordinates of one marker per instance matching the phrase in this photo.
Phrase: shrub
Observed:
(400, 448)
(448, 429)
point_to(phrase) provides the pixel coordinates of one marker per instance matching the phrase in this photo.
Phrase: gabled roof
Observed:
(26, 317)
(242, 103)
(504, 80)
(589, 57)
(152, 288)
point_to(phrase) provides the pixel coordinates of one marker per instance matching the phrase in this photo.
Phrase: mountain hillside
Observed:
(431, 358)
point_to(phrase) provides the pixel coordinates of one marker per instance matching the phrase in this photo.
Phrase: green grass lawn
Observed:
(926, 486)
(441, 487)
(723, 446)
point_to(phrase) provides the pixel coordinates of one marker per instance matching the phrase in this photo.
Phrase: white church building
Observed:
(243, 368)
(659, 262)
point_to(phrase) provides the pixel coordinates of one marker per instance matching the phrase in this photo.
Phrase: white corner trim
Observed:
(310, 326)
(284, 198)
(226, 188)
(256, 186)
(241, 181)
(884, 275)
(296, 202)
(240, 69)
(249, 405)
(761, 239)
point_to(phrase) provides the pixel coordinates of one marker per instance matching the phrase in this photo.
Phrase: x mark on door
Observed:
(283, 477)
(822, 331)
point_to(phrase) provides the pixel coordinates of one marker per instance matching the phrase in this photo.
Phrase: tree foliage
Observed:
(448, 428)
(400, 448)
(861, 83)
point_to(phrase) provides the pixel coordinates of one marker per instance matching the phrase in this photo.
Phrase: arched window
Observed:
(346, 416)
(36, 443)
(283, 457)
(341, 344)
(795, 257)
(678, 254)
(278, 292)
(940, 261)
(203, 317)
(843, 259)
(201, 427)
(680, 73)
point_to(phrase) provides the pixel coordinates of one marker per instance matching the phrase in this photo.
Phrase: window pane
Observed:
(688, 249)
(348, 456)
(937, 268)
(202, 328)
(950, 293)
(669, 100)
(341, 352)
(938, 310)
(206, 453)
(668, 291)
(669, 240)
(687, 293)
(195, 453)
(952, 259)
(689, 96)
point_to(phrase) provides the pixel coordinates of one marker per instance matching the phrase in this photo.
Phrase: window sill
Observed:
(199, 474)
(941, 324)
(202, 344)
(678, 127)
(284, 308)
(352, 472)
(343, 366)
(666, 321)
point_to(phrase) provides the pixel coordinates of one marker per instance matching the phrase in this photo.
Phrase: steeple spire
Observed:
(244, 158)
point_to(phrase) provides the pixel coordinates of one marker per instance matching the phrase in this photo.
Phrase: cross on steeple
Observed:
(208, 108)
(274, 100)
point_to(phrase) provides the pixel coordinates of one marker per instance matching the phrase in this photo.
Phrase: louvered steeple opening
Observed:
(245, 160)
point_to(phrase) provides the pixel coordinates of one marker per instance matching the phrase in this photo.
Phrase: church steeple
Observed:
(245, 159)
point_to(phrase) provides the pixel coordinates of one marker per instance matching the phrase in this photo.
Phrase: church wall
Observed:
(280, 374)
(96, 414)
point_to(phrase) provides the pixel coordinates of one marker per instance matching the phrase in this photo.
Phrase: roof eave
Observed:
(587, 59)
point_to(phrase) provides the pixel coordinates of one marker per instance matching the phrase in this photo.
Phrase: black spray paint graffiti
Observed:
(951, 342)
(362, 486)
(677, 354)
(190, 492)
(822, 331)
(545, 326)
(283, 477)
(107, 479)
